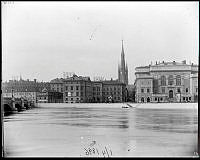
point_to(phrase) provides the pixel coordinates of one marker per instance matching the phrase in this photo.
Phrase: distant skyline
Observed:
(41, 40)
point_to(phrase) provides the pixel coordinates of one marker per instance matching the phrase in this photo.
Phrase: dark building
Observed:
(97, 91)
(49, 97)
(24, 86)
(113, 91)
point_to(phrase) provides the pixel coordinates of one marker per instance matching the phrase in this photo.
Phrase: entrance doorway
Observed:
(148, 99)
(171, 94)
(142, 100)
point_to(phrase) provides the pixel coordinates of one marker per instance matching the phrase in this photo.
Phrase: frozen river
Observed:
(102, 130)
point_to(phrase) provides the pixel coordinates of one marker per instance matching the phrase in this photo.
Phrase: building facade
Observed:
(77, 89)
(49, 97)
(123, 68)
(30, 96)
(97, 91)
(167, 82)
(113, 91)
(23, 88)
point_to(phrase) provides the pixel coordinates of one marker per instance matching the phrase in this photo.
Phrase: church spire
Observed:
(123, 69)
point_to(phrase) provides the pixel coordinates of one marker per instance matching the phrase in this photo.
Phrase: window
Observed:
(66, 99)
(196, 89)
(186, 90)
(178, 90)
(163, 80)
(77, 93)
(190, 98)
(72, 87)
(77, 87)
(163, 89)
(161, 98)
(183, 98)
(81, 93)
(66, 93)
(155, 98)
(66, 87)
(81, 88)
(178, 80)
(118, 98)
(72, 99)
(115, 88)
(170, 80)
(148, 90)
(142, 90)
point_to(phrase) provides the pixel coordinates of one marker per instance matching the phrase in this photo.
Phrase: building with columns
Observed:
(167, 82)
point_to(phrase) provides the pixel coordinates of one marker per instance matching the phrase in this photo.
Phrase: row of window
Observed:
(171, 80)
(108, 88)
(143, 90)
(163, 90)
(111, 93)
(73, 87)
(72, 93)
(73, 99)
(96, 88)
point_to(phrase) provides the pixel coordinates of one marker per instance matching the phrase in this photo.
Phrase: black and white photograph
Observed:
(99, 79)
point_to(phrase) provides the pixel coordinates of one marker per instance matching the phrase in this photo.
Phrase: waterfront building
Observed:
(30, 96)
(113, 91)
(77, 89)
(123, 68)
(167, 82)
(57, 85)
(97, 91)
(49, 96)
(23, 88)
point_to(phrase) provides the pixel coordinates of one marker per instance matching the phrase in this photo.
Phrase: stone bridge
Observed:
(13, 105)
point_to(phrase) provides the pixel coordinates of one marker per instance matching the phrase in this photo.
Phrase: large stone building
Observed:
(167, 82)
(49, 96)
(114, 91)
(78, 89)
(23, 88)
(123, 68)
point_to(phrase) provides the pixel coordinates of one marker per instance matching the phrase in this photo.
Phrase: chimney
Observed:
(163, 62)
(35, 80)
(174, 62)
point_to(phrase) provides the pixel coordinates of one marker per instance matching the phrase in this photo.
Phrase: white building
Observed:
(167, 82)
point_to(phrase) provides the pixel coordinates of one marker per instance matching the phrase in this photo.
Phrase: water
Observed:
(102, 130)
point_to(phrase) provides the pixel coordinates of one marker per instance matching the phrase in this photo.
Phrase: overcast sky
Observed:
(43, 39)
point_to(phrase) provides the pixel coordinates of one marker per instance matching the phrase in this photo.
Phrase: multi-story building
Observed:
(30, 96)
(49, 97)
(97, 91)
(57, 85)
(113, 91)
(23, 88)
(167, 82)
(77, 89)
